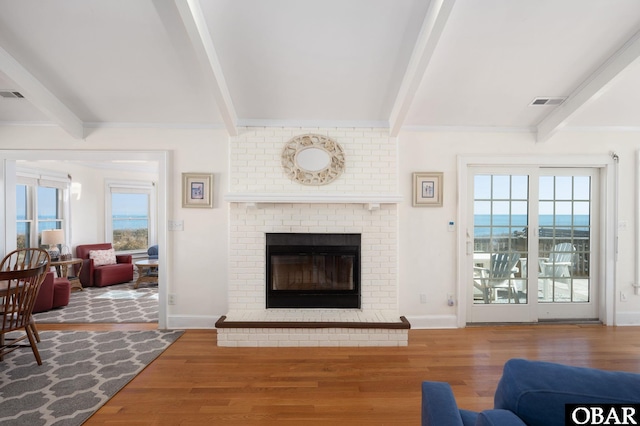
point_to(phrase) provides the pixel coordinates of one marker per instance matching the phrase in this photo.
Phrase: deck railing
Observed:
(548, 238)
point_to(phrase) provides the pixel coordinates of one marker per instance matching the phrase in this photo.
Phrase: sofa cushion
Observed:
(103, 257)
(537, 391)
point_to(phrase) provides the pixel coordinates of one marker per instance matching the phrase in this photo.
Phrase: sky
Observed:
(122, 204)
(562, 195)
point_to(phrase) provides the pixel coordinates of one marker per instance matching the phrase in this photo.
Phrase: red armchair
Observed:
(99, 276)
(53, 293)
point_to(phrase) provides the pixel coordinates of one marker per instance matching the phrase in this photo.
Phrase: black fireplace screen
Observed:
(313, 270)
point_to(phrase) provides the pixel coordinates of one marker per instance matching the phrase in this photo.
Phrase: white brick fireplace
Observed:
(362, 200)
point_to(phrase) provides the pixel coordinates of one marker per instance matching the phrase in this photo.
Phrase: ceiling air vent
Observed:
(10, 95)
(547, 101)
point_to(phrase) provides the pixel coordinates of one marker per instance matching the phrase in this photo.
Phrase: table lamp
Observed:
(53, 237)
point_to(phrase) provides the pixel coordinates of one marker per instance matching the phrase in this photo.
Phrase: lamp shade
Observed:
(53, 237)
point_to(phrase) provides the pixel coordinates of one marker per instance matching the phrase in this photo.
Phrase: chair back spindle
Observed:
(21, 275)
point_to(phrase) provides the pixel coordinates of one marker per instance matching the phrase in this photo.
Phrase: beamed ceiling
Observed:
(396, 64)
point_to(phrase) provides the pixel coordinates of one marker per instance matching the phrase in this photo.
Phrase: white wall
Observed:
(427, 251)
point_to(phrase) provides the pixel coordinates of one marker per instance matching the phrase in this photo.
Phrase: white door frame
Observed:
(608, 220)
(8, 160)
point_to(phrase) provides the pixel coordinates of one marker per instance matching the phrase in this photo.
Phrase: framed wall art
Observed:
(197, 190)
(427, 189)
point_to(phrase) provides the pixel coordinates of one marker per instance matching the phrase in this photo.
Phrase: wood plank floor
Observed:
(194, 382)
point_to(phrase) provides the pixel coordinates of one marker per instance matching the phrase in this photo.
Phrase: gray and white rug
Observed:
(119, 303)
(81, 370)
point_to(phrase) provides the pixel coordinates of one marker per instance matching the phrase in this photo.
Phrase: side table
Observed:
(147, 272)
(62, 269)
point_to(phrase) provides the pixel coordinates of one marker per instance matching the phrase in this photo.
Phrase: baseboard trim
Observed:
(433, 321)
(627, 318)
(181, 322)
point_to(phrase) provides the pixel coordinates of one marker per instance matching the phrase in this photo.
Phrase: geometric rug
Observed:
(119, 303)
(80, 371)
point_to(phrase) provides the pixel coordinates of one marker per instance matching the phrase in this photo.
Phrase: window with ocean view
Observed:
(130, 218)
(131, 222)
(500, 238)
(40, 206)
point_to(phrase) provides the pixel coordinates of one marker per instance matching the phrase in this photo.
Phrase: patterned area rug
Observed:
(119, 303)
(81, 370)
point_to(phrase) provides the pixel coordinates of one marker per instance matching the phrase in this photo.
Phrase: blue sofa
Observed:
(532, 393)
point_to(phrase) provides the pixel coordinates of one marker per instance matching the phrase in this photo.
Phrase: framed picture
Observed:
(427, 189)
(197, 190)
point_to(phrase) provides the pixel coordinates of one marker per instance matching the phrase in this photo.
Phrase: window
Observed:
(41, 203)
(24, 222)
(49, 208)
(131, 215)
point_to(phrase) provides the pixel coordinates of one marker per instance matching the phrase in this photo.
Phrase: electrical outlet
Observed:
(623, 296)
(172, 298)
(450, 300)
(423, 298)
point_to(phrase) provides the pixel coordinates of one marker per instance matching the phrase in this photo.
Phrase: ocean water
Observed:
(133, 222)
(505, 224)
(119, 223)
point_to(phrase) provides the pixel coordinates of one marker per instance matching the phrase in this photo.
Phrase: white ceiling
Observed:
(418, 64)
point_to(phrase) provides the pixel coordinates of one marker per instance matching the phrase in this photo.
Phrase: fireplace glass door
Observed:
(313, 270)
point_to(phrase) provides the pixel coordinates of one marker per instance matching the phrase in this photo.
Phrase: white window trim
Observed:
(49, 179)
(130, 186)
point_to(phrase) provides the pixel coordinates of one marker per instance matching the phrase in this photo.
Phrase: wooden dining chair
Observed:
(21, 274)
(24, 259)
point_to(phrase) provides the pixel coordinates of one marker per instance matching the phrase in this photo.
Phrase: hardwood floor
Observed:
(194, 382)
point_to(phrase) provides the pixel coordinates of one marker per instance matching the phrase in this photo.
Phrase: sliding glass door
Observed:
(533, 237)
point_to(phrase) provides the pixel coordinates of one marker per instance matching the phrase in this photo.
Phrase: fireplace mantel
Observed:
(372, 201)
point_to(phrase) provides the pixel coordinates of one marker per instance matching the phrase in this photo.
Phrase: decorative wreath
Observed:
(295, 172)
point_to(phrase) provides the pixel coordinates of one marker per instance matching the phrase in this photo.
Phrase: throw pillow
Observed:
(103, 257)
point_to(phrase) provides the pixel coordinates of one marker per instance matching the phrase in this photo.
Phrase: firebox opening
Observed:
(313, 270)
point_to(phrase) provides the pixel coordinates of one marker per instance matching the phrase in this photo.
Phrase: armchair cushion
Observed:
(527, 386)
(44, 299)
(498, 418)
(53, 293)
(439, 406)
(103, 257)
(152, 252)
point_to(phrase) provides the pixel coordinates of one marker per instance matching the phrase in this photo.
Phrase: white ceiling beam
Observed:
(432, 28)
(41, 97)
(590, 89)
(198, 31)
